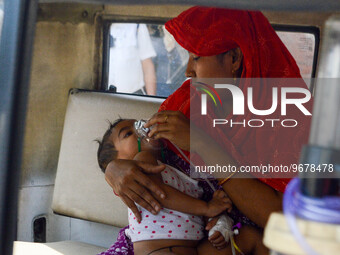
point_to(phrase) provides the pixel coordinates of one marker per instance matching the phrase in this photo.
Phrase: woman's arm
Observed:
(129, 181)
(253, 198)
(181, 202)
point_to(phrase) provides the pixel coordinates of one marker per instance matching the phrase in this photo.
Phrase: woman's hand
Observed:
(128, 181)
(171, 125)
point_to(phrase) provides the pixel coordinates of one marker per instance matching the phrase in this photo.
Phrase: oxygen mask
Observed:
(143, 138)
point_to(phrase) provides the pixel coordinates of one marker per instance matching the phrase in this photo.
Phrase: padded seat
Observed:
(80, 189)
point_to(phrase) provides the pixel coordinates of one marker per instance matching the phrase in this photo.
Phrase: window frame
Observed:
(15, 65)
(304, 29)
(108, 20)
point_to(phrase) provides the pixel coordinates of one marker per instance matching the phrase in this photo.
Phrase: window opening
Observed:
(145, 59)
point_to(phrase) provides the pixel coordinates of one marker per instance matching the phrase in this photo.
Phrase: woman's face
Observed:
(209, 67)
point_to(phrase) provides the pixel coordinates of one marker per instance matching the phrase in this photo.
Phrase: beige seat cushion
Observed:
(57, 248)
(80, 188)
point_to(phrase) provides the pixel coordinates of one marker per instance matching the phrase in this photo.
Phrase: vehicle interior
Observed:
(57, 99)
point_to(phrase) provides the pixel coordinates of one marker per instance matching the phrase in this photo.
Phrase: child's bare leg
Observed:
(175, 251)
(165, 247)
(249, 241)
(162, 252)
(166, 251)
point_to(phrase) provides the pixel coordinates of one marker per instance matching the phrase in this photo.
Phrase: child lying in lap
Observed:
(179, 226)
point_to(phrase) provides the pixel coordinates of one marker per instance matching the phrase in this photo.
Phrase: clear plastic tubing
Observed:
(325, 210)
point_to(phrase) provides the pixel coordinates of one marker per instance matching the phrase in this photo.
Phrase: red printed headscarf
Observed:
(212, 31)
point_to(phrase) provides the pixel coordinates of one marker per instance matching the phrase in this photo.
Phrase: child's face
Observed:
(125, 139)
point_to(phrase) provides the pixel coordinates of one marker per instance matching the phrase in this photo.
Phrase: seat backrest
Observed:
(80, 187)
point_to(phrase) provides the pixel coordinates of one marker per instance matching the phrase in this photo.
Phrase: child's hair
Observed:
(106, 150)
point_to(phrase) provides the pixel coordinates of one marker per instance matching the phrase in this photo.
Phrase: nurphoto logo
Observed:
(240, 101)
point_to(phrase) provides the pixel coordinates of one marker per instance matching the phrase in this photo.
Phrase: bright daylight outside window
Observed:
(302, 47)
(145, 59)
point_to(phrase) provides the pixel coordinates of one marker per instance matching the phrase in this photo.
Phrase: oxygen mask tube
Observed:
(326, 209)
(224, 223)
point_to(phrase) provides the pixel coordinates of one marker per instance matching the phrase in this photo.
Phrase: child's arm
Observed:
(179, 201)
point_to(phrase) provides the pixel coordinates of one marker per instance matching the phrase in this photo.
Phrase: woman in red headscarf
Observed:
(226, 44)
(236, 44)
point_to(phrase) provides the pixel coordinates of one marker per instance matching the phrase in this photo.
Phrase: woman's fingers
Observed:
(127, 179)
(159, 117)
(140, 200)
(171, 125)
(147, 182)
(165, 135)
(143, 197)
(159, 128)
(129, 203)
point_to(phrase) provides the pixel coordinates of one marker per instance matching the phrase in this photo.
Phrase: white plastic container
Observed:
(323, 238)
